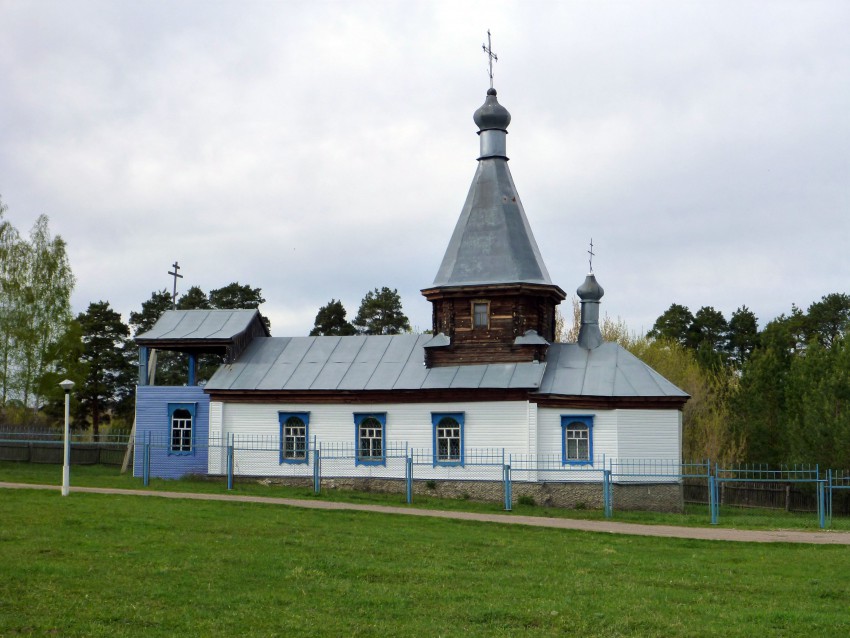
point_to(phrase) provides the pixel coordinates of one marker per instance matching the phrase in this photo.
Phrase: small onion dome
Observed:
(590, 290)
(491, 114)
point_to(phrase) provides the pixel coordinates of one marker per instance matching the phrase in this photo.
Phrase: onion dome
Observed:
(590, 290)
(492, 115)
(589, 334)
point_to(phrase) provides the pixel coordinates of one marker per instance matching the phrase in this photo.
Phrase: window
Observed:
(293, 436)
(577, 443)
(481, 314)
(448, 438)
(370, 429)
(181, 418)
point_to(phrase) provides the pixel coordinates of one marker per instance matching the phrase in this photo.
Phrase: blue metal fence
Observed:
(836, 481)
(482, 471)
(801, 474)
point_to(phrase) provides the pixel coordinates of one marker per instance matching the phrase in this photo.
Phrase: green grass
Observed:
(694, 516)
(97, 565)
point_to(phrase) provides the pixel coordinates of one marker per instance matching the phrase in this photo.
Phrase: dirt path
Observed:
(611, 527)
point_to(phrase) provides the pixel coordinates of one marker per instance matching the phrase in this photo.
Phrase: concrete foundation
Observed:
(653, 497)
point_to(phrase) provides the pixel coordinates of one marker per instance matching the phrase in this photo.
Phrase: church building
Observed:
(489, 380)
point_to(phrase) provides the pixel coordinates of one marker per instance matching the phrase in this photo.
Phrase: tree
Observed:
(818, 405)
(35, 306)
(707, 432)
(828, 319)
(109, 371)
(12, 269)
(235, 296)
(151, 311)
(194, 299)
(743, 336)
(48, 296)
(675, 323)
(380, 313)
(68, 354)
(709, 327)
(330, 320)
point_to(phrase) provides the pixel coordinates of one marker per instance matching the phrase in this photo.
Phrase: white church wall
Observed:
(550, 433)
(492, 425)
(649, 434)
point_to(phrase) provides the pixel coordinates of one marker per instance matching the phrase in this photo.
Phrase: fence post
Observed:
(408, 477)
(317, 474)
(829, 497)
(146, 461)
(821, 513)
(607, 504)
(230, 459)
(712, 498)
(508, 488)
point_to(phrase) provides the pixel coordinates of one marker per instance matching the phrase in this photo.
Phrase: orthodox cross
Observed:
(591, 253)
(175, 275)
(488, 49)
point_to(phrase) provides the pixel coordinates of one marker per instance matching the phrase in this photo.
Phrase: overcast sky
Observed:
(318, 150)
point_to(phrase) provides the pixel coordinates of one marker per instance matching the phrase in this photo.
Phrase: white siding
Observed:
(549, 432)
(497, 424)
(649, 434)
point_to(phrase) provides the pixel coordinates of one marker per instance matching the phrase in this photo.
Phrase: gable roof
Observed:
(396, 362)
(379, 362)
(227, 332)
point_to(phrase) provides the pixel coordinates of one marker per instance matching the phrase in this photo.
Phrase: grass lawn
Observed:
(97, 565)
(694, 516)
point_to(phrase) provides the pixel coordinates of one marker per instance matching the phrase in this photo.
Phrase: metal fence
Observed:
(486, 474)
(763, 480)
(48, 447)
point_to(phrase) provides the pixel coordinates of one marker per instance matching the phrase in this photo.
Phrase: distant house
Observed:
(490, 378)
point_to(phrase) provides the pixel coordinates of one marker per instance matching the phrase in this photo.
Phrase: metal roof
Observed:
(607, 371)
(380, 362)
(492, 242)
(194, 325)
(396, 362)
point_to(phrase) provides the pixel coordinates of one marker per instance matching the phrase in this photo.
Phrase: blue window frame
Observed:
(448, 437)
(294, 435)
(577, 439)
(181, 427)
(370, 429)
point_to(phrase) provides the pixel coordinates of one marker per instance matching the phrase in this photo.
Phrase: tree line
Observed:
(779, 394)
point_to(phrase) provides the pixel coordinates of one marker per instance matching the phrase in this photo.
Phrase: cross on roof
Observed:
(176, 267)
(488, 49)
(591, 253)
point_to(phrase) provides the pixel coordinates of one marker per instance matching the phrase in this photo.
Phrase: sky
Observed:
(318, 150)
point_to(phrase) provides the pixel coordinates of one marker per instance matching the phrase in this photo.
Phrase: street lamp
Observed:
(67, 385)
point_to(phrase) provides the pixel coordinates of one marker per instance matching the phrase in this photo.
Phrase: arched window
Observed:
(577, 439)
(448, 438)
(181, 418)
(293, 436)
(370, 438)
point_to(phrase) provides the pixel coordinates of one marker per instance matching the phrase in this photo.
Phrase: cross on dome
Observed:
(488, 49)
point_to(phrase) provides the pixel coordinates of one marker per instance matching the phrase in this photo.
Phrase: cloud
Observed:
(319, 150)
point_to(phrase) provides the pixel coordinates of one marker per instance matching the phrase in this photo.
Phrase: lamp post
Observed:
(67, 385)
